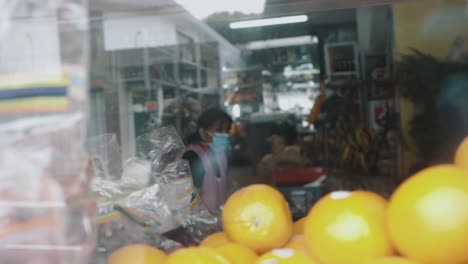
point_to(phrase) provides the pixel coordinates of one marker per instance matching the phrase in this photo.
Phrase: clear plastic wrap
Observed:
(105, 156)
(164, 148)
(45, 206)
(45, 209)
(154, 200)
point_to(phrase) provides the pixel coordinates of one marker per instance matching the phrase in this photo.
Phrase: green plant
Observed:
(426, 81)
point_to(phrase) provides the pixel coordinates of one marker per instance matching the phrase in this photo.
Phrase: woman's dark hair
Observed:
(206, 120)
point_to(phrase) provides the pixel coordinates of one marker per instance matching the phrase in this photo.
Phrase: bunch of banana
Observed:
(350, 145)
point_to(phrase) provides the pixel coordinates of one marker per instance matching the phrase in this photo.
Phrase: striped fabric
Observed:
(30, 97)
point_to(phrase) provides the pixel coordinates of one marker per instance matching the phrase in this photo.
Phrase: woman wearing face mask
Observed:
(207, 155)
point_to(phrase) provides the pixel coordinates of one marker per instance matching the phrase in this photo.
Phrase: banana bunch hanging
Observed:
(351, 147)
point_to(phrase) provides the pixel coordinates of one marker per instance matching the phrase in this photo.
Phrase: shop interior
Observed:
(320, 96)
(312, 88)
(164, 67)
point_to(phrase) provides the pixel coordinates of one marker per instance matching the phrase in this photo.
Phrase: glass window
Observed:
(151, 110)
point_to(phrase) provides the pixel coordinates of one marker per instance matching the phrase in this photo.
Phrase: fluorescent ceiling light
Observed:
(269, 21)
(281, 42)
(204, 8)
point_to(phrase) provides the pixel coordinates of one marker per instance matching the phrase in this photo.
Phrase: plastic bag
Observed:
(164, 148)
(105, 156)
(154, 200)
(44, 206)
(46, 210)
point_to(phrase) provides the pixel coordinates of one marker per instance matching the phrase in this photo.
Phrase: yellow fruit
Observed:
(392, 260)
(298, 227)
(257, 216)
(297, 242)
(196, 255)
(428, 216)
(285, 256)
(461, 156)
(237, 254)
(215, 240)
(348, 227)
(137, 254)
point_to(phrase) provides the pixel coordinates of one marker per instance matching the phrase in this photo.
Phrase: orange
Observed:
(137, 254)
(215, 240)
(196, 255)
(461, 156)
(297, 242)
(348, 227)
(237, 254)
(391, 260)
(285, 256)
(428, 216)
(298, 227)
(257, 216)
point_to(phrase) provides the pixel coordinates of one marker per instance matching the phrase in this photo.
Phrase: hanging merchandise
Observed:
(244, 89)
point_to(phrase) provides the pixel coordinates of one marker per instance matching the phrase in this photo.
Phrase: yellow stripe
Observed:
(108, 218)
(195, 201)
(34, 104)
(21, 84)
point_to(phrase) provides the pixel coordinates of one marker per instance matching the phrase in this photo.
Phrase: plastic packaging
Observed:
(104, 156)
(45, 208)
(153, 200)
(46, 213)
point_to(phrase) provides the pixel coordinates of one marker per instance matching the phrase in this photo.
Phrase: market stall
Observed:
(137, 132)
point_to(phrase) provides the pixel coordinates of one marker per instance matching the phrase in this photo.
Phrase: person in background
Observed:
(284, 151)
(207, 154)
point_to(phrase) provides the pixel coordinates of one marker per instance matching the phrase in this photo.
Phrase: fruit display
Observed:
(258, 216)
(425, 221)
(351, 146)
(137, 254)
(297, 242)
(196, 255)
(237, 253)
(429, 211)
(285, 256)
(355, 222)
(215, 240)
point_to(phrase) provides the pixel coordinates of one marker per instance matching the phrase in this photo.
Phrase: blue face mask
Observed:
(221, 143)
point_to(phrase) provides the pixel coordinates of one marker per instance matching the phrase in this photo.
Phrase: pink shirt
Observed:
(213, 191)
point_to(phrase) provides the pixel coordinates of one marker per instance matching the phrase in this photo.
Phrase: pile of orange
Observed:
(425, 221)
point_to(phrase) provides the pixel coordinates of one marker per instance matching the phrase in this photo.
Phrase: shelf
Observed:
(153, 81)
(347, 73)
(165, 83)
(199, 90)
(242, 86)
(285, 63)
(296, 81)
(184, 62)
(243, 69)
(202, 90)
(304, 72)
(137, 79)
(203, 68)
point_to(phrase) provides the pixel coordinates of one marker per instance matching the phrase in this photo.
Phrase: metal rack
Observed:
(149, 79)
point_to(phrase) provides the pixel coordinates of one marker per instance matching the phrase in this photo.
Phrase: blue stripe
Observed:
(33, 92)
